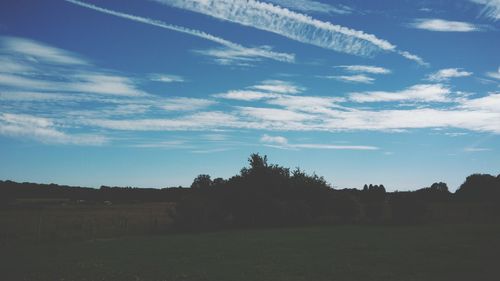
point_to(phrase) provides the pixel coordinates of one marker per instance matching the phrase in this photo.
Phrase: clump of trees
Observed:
(264, 194)
(480, 187)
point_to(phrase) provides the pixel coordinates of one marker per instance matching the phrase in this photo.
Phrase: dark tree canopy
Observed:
(480, 187)
(265, 194)
(201, 182)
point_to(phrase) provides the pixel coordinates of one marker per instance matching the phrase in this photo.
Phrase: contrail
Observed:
(293, 25)
(251, 52)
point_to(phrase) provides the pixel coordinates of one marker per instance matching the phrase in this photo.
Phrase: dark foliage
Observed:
(264, 194)
(480, 187)
(10, 191)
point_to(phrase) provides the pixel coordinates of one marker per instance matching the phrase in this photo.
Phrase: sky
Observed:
(152, 93)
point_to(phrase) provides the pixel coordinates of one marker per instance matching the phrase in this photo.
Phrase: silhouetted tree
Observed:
(201, 182)
(480, 187)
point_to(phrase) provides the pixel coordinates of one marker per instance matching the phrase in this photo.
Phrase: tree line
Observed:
(264, 194)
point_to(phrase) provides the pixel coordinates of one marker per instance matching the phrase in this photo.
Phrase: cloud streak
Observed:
(441, 25)
(446, 74)
(360, 78)
(365, 69)
(309, 6)
(282, 143)
(293, 25)
(491, 8)
(416, 93)
(44, 130)
(256, 52)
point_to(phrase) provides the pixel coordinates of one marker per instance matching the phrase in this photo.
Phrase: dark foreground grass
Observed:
(449, 252)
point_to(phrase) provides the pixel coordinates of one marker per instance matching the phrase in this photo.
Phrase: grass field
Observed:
(451, 252)
(82, 222)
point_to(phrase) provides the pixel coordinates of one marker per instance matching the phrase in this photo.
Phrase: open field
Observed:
(444, 252)
(32, 221)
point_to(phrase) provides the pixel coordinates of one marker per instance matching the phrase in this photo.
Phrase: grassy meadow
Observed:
(31, 221)
(431, 252)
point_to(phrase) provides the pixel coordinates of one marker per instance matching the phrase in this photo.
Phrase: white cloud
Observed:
(365, 69)
(185, 104)
(413, 57)
(306, 103)
(171, 144)
(489, 103)
(82, 82)
(43, 68)
(39, 52)
(275, 119)
(243, 56)
(267, 89)
(444, 25)
(417, 93)
(278, 86)
(293, 25)
(446, 74)
(494, 75)
(386, 120)
(197, 121)
(491, 8)
(273, 114)
(44, 130)
(309, 6)
(476, 149)
(259, 52)
(274, 140)
(101, 83)
(282, 142)
(360, 78)
(215, 137)
(166, 78)
(245, 95)
(34, 96)
(9, 65)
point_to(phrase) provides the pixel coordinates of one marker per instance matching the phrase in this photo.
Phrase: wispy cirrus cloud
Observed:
(44, 130)
(476, 149)
(293, 25)
(494, 75)
(185, 104)
(359, 78)
(312, 104)
(83, 81)
(274, 140)
(278, 86)
(199, 121)
(37, 51)
(166, 78)
(309, 6)
(245, 95)
(365, 69)
(361, 73)
(244, 57)
(274, 114)
(267, 89)
(446, 74)
(491, 8)
(257, 52)
(416, 93)
(283, 143)
(441, 25)
(36, 67)
(414, 58)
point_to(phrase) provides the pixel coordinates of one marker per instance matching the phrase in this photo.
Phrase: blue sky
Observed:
(153, 93)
